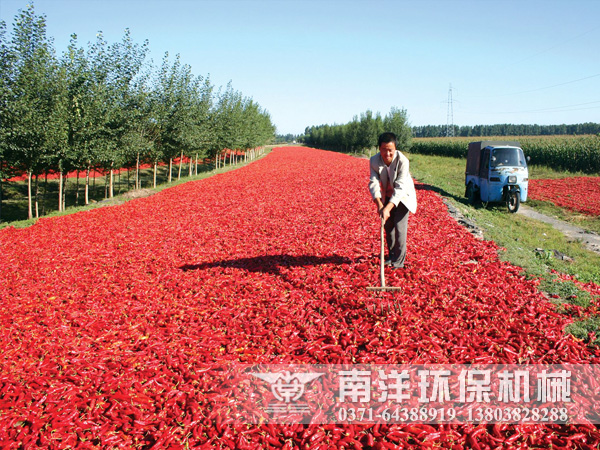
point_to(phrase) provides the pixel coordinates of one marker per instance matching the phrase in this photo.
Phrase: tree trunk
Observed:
(77, 190)
(180, 164)
(60, 190)
(30, 210)
(64, 198)
(191, 165)
(196, 168)
(45, 194)
(37, 209)
(155, 170)
(137, 172)
(112, 183)
(87, 185)
(0, 192)
(170, 169)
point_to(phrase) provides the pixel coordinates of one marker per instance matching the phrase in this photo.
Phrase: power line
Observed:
(552, 109)
(554, 85)
(554, 46)
(537, 89)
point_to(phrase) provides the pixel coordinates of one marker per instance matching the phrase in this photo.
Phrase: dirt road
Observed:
(590, 240)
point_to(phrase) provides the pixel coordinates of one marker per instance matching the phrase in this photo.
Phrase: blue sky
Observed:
(312, 62)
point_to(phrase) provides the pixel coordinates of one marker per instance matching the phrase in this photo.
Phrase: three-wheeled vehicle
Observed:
(496, 172)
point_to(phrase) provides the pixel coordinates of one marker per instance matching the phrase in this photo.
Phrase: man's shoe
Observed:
(387, 262)
(397, 266)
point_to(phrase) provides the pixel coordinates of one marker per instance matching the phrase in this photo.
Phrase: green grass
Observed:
(520, 236)
(582, 328)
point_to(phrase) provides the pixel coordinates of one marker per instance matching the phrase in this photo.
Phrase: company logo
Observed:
(287, 387)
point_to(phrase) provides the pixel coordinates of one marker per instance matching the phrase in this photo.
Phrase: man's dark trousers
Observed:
(395, 233)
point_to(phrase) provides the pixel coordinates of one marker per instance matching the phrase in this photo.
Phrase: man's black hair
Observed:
(385, 138)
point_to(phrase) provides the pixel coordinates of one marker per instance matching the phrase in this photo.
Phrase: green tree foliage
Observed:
(30, 111)
(5, 64)
(106, 108)
(396, 121)
(361, 133)
(239, 122)
(287, 138)
(180, 112)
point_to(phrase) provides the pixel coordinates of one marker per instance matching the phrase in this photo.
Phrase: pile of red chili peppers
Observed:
(111, 319)
(581, 194)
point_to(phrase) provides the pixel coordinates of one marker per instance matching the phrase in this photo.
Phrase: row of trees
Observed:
(361, 133)
(286, 138)
(106, 107)
(506, 129)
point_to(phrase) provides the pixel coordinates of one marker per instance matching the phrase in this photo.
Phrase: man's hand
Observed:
(379, 205)
(385, 213)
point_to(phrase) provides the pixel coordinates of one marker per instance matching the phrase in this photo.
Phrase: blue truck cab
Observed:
(496, 172)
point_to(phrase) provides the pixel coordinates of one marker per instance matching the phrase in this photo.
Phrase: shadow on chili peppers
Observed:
(271, 264)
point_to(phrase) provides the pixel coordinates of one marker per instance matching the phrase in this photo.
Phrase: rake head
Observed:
(384, 288)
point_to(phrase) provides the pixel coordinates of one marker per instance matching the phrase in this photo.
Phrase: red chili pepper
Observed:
(114, 320)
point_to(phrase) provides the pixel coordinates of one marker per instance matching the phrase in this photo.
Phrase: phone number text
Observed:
(437, 415)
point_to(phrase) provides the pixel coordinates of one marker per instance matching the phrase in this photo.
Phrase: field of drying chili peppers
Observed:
(581, 194)
(111, 319)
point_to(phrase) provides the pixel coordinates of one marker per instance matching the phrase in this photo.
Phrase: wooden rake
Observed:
(383, 287)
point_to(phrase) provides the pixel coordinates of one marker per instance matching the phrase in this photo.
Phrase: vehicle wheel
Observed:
(513, 201)
(471, 194)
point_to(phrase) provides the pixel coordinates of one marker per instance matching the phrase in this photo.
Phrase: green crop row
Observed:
(569, 153)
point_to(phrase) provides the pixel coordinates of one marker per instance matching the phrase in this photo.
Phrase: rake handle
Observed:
(381, 260)
(383, 287)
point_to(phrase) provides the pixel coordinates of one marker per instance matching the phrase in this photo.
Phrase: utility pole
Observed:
(450, 115)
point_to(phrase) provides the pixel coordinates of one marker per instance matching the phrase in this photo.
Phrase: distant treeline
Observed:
(361, 133)
(506, 129)
(289, 138)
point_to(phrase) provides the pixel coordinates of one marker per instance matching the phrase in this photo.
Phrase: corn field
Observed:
(570, 153)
